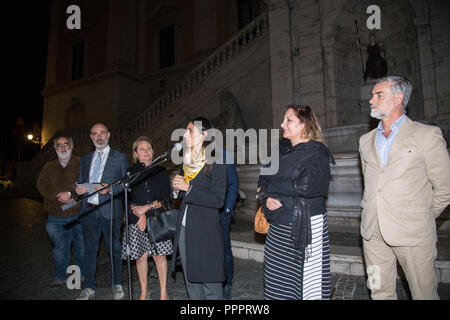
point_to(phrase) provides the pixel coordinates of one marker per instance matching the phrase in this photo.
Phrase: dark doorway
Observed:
(167, 47)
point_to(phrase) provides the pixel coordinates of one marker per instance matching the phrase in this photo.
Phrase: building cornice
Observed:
(52, 90)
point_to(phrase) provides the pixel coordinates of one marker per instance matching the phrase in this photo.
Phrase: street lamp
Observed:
(33, 139)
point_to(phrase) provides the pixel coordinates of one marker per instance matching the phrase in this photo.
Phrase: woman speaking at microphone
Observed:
(199, 235)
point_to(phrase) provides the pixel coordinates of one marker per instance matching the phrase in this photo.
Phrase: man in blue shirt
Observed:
(406, 171)
(384, 143)
(104, 165)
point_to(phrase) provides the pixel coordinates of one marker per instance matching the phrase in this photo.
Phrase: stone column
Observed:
(427, 67)
(142, 36)
(312, 82)
(205, 26)
(113, 43)
(56, 24)
(280, 58)
(121, 44)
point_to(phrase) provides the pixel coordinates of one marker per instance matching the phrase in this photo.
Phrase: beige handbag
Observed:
(261, 224)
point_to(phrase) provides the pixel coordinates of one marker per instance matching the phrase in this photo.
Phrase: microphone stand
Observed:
(127, 243)
(125, 182)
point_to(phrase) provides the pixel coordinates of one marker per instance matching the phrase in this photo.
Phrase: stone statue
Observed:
(376, 66)
(230, 116)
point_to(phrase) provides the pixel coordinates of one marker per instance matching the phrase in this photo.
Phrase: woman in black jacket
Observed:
(150, 191)
(297, 254)
(199, 234)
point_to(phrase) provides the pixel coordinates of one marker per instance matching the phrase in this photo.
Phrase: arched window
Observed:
(167, 46)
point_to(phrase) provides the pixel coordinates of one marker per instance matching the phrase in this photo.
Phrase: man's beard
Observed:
(64, 156)
(380, 115)
(100, 146)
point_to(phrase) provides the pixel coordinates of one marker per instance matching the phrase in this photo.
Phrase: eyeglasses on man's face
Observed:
(60, 145)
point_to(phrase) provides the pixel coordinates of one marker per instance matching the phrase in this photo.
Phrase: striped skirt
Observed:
(287, 274)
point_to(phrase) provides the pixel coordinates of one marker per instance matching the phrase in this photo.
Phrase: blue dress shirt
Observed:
(384, 144)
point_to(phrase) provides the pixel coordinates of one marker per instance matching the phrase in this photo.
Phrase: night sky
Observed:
(25, 27)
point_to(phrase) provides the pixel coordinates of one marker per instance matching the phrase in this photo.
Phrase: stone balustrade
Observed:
(199, 74)
(345, 193)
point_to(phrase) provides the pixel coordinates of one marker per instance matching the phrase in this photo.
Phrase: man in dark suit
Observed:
(103, 165)
(225, 218)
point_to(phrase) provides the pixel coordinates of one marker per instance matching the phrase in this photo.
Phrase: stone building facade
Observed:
(122, 68)
(307, 54)
(147, 66)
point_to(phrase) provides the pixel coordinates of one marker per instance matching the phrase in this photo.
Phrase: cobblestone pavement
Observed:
(27, 266)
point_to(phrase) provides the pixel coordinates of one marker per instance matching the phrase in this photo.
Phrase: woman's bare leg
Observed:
(142, 271)
(161, 268)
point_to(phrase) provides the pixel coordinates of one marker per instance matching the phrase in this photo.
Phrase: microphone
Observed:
(126, 181)
(166, 154)
(176, 147)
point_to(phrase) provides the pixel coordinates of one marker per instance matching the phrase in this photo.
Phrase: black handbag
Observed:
(161, 225)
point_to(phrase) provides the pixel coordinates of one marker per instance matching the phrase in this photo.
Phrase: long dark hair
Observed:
(203, 124)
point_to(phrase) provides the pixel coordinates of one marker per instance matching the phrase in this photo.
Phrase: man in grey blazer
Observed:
(103, 165)
(406, 171)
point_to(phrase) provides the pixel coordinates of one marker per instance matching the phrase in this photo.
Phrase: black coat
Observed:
(205, 248)
(304, 171)
(153, 184)
(301, 185)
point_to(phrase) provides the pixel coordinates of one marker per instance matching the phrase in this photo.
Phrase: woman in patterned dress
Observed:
(149, 191)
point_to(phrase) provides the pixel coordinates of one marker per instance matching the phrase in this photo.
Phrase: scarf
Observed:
(192, 167)
(301, 232)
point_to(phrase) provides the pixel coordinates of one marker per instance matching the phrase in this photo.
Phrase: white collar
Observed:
(104, 151)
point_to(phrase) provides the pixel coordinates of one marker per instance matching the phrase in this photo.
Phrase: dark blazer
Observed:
(232, 189)
(115, 168)
(152, 184)
(205, 248)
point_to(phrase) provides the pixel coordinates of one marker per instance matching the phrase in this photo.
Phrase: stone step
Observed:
(344, 259)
